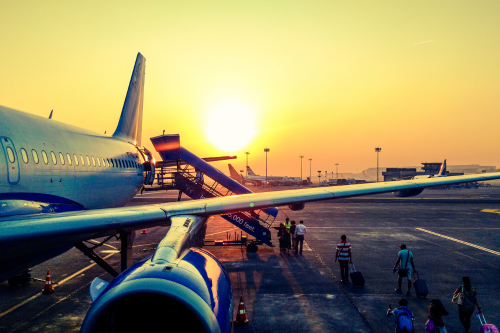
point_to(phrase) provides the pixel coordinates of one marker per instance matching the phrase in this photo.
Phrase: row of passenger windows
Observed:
(61, 158)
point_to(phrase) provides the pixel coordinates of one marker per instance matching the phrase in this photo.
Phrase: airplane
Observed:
(61, 185)
(258, 180)
(414, 192)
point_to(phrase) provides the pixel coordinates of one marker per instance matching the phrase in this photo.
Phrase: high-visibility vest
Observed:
(287, 226)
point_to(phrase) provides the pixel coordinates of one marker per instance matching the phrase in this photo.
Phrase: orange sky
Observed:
(330, 80)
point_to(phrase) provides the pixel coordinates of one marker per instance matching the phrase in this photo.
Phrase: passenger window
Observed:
(35, 156)
(44, 156)
(93, 161)
(25, 155)
(69, 158)
(10, 154)
(103, 162)
(54, 159)
(88, 161)
(109, 164)
(61, 157)
(83, 161)
(98, 161)
(76, 159)
(121, 163)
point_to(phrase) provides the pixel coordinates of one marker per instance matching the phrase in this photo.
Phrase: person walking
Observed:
(299, 233)
(405, 259)
(281, 237)
(292, 232)
(436, 313)
(466, 298)
(344, 256)
(404, 317)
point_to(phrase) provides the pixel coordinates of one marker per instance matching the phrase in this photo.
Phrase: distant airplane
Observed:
(61, 185)
(258, 180)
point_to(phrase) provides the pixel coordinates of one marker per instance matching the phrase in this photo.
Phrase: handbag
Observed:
(429, 326)
(402, 272)
(458, 298)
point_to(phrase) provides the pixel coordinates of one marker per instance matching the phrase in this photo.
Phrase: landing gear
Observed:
(22, 279)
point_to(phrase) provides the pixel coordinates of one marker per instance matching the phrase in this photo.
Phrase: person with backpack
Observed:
(284, 238)
(466, 298)
(404, 317)
(435, 324)
(405, 259)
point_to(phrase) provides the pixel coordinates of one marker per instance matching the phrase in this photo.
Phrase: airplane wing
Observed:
(45, 231)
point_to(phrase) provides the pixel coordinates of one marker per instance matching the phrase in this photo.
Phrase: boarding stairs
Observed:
(199, 180)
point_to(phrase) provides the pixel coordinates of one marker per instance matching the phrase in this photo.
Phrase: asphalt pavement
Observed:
(452, 233)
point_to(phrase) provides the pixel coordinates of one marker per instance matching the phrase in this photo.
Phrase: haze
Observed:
(330, 80)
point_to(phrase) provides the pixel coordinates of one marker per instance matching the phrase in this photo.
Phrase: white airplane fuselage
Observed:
(107, 173)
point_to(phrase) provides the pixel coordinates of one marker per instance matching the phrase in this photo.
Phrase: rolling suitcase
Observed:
(486, 327)
(420, 286)
(356, 277)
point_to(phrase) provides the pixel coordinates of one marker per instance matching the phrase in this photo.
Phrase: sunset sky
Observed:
(330, 80)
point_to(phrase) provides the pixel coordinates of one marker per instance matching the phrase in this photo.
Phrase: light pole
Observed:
(301, 157)
(248, 153)
(266, 150)
(377, 150)
(337, 169)
(310, 163)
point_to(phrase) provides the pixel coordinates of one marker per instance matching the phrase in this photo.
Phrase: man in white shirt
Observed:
(299, 233)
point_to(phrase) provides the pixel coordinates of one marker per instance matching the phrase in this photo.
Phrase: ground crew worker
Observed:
(287, 224)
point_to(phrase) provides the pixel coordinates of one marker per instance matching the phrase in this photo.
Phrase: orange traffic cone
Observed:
(241, 316)
(48, 284)
(144, 232)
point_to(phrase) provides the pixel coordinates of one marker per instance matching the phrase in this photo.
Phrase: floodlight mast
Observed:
(377, 150)
(266, 150)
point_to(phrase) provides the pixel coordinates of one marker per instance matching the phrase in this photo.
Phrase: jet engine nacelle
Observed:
(297, 206)
(190, 294)
(408, 193)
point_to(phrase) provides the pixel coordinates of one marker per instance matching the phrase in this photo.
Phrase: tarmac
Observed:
(452, 233)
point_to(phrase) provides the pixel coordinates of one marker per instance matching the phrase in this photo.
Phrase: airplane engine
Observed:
(190, 294)
(408, 193)
(297, 206)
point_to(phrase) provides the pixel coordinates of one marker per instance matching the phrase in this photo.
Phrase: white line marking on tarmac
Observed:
(97, 242)
(215, 233)
(461, 242)
(54, 286)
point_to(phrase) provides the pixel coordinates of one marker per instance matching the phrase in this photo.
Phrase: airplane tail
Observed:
(130, 124)
(442, 170)
(250, 172)
(234, 174)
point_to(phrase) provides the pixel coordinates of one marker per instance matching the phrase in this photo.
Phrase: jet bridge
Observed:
(189, 174)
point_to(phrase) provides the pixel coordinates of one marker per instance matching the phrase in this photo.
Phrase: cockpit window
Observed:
(44, 156)
(25, 155)
(35, 156)
(54, 159)
(61, 157)
(10, 154)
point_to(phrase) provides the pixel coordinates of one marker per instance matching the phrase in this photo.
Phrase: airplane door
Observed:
(11, 160)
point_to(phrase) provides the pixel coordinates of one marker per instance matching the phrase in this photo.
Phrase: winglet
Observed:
(130, 124)
(442, 170)
(50, 117)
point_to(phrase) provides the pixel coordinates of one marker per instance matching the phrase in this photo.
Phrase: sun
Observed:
(230, 126)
